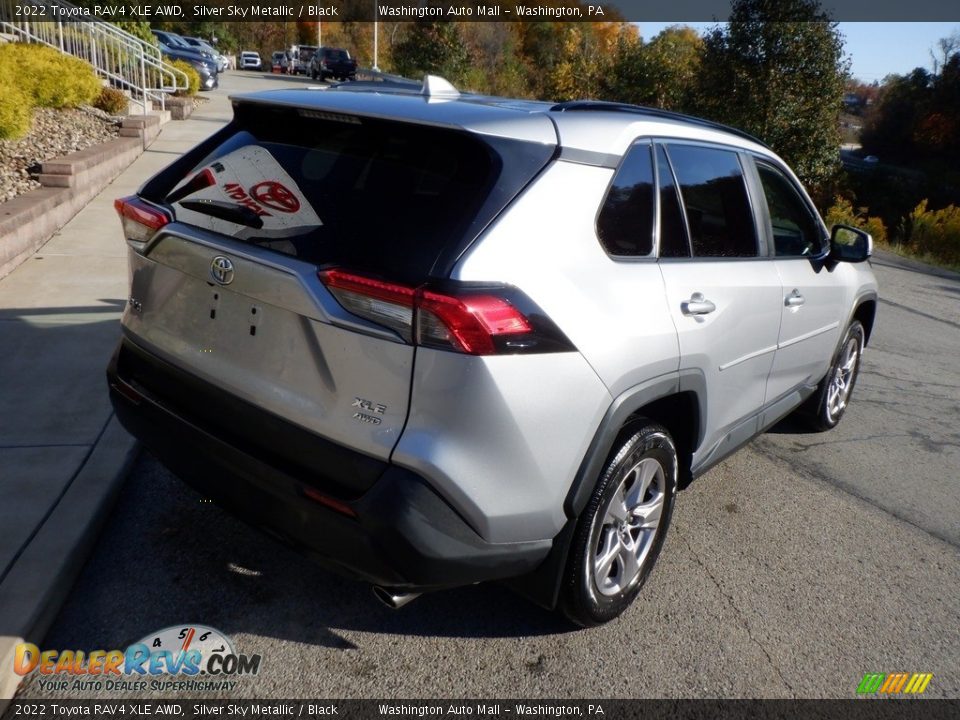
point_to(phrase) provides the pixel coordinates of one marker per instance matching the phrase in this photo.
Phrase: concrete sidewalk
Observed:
(63, 455)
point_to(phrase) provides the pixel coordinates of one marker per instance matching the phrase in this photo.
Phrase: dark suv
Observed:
(333, 63)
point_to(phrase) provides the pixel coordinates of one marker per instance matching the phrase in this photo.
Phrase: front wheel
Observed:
(829, 402)
(621, 531)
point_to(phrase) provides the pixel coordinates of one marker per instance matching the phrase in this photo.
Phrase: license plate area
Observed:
(232, 315)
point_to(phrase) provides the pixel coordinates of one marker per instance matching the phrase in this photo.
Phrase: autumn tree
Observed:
(777, 70)
(662, 73)
(496, 62)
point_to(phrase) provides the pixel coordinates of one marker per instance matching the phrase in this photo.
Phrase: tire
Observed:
(614, 547)
(827, 405)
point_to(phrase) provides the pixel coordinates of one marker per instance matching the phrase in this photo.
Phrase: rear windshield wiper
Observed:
(225, 211)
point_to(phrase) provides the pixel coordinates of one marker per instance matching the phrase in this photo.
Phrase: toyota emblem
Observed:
(221, 269)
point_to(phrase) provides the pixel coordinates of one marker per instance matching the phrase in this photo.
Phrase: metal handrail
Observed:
(124, 60)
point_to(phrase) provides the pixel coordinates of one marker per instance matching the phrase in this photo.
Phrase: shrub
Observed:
(192, 75)
(112, 101)
(936, 232)
(843, 213)
(16, 110)
(48, 77)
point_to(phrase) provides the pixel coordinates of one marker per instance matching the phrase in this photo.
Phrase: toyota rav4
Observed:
(436, 339)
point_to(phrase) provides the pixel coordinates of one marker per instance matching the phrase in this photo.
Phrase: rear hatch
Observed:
(264, 261)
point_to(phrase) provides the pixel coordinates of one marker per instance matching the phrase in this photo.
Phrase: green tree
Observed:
(496, 66)
(663, 73)
(777, 70)
(431, 47)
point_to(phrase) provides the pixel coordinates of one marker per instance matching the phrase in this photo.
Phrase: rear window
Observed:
(332, 189)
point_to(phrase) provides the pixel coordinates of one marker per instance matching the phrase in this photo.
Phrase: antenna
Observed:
(436, 86)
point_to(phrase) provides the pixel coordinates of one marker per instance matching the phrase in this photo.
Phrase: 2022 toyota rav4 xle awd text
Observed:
(436, 339)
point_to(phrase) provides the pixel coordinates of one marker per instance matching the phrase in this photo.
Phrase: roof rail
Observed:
(601, 105)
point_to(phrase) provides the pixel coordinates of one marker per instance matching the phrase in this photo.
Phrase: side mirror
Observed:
(850, 244)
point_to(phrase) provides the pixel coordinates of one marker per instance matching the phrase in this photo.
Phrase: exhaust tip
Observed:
(393, 599)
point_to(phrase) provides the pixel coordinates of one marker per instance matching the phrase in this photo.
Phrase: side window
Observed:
(715, 196)
(796, 233)
(673, 232)
(625, 223)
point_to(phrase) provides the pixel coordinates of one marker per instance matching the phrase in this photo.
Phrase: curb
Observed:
(41, 578)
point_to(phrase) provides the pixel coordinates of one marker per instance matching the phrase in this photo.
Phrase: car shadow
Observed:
(168, 557)
(790, 425)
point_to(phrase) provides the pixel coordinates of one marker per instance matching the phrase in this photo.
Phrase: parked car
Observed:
(250, 60)
(279, 62)
(172, 40)
(222, 61)
(495, 351)
(300, 58)
(206, 68)
(335, 63)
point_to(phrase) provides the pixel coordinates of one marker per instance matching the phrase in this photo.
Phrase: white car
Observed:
(250, 60)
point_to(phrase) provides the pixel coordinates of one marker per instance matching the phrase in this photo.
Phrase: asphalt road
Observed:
(796, 566)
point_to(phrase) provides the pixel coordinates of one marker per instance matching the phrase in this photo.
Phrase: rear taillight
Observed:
(468, 323)
(380, 302)
(474, 321)
(140, 220)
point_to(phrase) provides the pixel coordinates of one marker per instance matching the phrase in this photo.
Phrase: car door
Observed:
(722, 290)
(813, 295)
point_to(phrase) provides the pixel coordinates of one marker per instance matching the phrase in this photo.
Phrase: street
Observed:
(791, 570)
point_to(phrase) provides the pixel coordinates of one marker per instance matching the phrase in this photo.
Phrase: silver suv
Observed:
(435, 339)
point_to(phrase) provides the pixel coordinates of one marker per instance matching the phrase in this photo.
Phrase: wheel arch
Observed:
(866, 313)
(676, 401)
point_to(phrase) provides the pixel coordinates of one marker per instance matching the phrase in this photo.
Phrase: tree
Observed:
(431, 47)
(946, 48)
(663, 73)
(777, 70)
(496, 64)
(892, 123)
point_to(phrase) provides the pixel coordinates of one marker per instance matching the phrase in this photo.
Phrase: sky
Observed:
(876, 49)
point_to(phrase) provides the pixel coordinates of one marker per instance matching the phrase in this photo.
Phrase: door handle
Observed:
(697, 305)
(794, 299)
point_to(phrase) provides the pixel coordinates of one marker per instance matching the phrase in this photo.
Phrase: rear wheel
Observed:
(827, 405)
(621, 531)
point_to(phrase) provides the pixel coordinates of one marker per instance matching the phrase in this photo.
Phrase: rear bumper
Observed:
(399, 533)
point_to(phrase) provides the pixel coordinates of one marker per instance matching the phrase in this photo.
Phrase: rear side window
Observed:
(332, 189)
(795, 231)
(715, 198)
(625, 222)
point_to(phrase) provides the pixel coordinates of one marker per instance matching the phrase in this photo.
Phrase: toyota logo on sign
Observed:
(221, 269)
(275, 196)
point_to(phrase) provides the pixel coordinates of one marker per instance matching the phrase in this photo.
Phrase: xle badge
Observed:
(364, 410)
